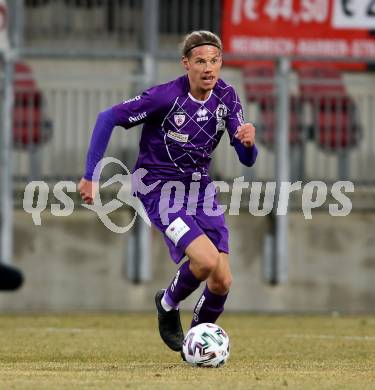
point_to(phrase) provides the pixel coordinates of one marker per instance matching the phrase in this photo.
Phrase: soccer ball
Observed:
(206, 345)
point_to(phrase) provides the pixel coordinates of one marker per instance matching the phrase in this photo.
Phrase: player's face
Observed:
(203, 68)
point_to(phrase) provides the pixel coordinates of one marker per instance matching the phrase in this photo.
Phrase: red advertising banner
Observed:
(307, 28)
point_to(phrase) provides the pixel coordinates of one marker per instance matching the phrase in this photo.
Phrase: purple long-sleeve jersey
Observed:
(179, 132)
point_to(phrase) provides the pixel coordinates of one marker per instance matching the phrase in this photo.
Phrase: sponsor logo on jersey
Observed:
(138, 118)
(202, 115)
(176, 230)
(134, 99)
(178, 136)
(179, 118)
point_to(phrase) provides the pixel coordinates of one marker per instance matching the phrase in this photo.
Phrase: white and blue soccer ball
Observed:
(206, 345)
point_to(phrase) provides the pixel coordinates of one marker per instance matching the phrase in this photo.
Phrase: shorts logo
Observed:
(179, 118)
(178, 136)
(176, 230)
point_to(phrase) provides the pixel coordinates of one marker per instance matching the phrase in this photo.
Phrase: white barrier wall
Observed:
(75, 263)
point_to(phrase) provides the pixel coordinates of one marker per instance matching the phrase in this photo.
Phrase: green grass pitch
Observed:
(123, 351)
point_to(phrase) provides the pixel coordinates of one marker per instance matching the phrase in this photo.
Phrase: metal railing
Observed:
(331, 136)
(331, 133)
(85, 24)
(53, 120)
(114, 27)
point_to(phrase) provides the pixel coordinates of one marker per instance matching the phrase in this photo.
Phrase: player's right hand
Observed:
(87, 190)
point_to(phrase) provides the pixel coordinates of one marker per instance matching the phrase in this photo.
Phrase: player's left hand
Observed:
(246, 134)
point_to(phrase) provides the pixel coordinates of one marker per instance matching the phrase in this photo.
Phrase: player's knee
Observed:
(226, 284)
(221, 286)
(207, 264)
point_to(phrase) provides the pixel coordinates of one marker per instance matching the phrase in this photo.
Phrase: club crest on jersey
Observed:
(202, 115)
(179, 118)
(221, 113)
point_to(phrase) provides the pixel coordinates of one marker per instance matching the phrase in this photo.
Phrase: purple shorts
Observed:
(187, 222)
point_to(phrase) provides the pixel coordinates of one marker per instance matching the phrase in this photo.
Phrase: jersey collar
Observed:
(200, 101)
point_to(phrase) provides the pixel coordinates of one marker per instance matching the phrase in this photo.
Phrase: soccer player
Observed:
(183, 121)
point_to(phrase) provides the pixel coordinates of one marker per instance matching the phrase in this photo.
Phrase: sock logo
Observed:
(174, 283)
(198, 308)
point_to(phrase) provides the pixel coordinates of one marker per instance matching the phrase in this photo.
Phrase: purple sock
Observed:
(183, 284)
(208, 308)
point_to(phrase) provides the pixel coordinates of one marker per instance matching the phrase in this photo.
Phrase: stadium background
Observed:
(75, 58)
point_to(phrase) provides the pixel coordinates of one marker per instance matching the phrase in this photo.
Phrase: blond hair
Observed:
(199, 38)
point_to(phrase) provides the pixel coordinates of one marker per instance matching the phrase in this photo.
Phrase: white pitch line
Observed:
(51, 329)
(331, 337)
(64, 330)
